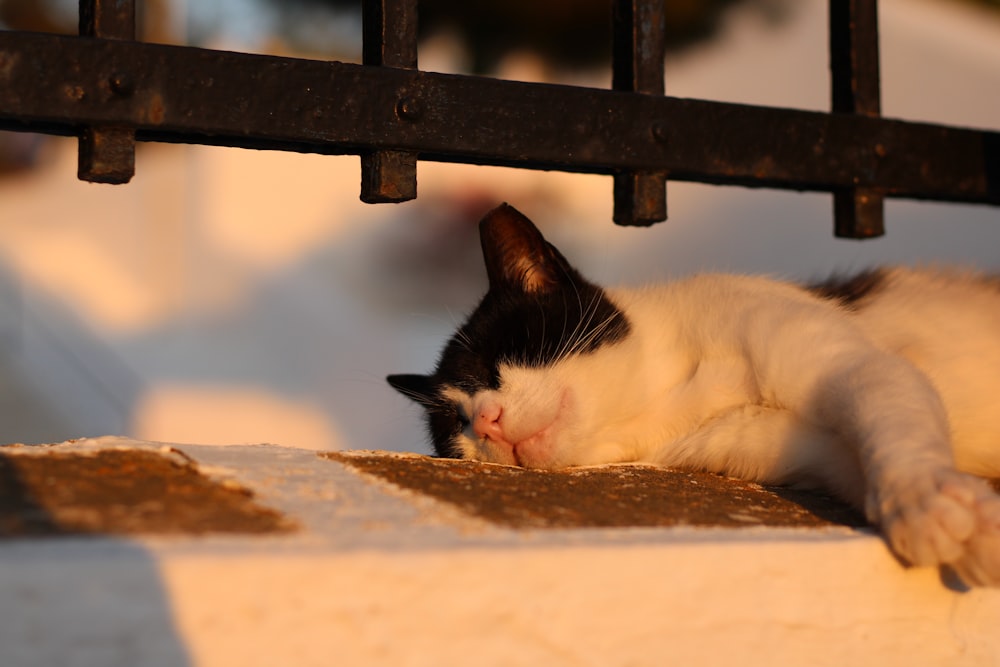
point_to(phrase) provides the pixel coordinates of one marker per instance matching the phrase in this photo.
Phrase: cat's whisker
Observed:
(584, 334)
(463, 339)
(567, 344)
(583, 342)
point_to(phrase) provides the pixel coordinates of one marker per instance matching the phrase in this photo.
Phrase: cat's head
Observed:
(520, 381)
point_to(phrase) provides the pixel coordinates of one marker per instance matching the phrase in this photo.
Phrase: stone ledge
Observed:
(119, 491)
(375, 572)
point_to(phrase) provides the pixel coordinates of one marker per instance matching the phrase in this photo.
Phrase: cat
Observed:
(882, 389)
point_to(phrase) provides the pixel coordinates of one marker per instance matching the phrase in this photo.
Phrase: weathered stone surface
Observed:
(121, 491)
(606, 496)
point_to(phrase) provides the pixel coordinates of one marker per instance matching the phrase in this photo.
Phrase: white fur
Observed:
(759, 379)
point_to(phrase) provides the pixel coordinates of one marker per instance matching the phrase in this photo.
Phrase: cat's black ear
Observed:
(420, 388)
(516, 253)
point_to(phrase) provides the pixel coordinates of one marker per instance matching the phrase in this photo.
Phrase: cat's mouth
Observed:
(539, 448)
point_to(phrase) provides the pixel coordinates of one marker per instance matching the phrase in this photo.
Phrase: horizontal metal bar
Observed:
(183, 94)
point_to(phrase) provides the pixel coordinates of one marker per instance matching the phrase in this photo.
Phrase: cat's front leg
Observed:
(892, 423)
(940, 516)
(929, 512)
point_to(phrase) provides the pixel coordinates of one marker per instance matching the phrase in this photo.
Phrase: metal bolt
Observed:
(76, 93)
(409, 108)
(660, 131)
(121, 84)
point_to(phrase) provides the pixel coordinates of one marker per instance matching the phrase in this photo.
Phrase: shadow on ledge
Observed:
(606, 496)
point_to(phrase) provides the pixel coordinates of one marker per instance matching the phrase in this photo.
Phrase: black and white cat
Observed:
(883, 389)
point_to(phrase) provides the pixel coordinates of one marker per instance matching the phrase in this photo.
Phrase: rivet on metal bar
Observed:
(854, 66)
(638, 43)
(106, 153)
(390, 40)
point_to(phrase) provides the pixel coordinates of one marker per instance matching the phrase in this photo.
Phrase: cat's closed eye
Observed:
(463, 419)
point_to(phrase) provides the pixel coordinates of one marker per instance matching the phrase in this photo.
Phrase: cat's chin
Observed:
(537, 451)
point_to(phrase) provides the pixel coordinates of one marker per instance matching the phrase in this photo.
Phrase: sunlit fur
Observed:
(880, 397)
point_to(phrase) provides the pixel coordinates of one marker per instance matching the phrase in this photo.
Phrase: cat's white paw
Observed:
(944, 517)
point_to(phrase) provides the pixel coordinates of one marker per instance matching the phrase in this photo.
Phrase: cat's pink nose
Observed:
(487, 422)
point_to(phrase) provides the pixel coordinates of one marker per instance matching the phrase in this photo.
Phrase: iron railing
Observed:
(110, 91)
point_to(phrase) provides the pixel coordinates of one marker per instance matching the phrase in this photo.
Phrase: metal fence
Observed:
(111, 91)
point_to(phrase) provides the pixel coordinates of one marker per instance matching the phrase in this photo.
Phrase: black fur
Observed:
(538, 308)
(851, 291)
(521, 329)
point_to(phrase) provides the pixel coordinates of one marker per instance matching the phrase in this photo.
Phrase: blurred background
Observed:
(232, 296)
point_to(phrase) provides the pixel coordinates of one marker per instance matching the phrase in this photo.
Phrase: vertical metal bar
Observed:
(390, 40)
(854, 66)
(638, 45)
(107, 154)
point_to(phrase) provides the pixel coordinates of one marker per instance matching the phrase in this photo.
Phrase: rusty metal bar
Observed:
(107, 152)
(52, 83)
(640, 197)
(858, 212)
(390, 40)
